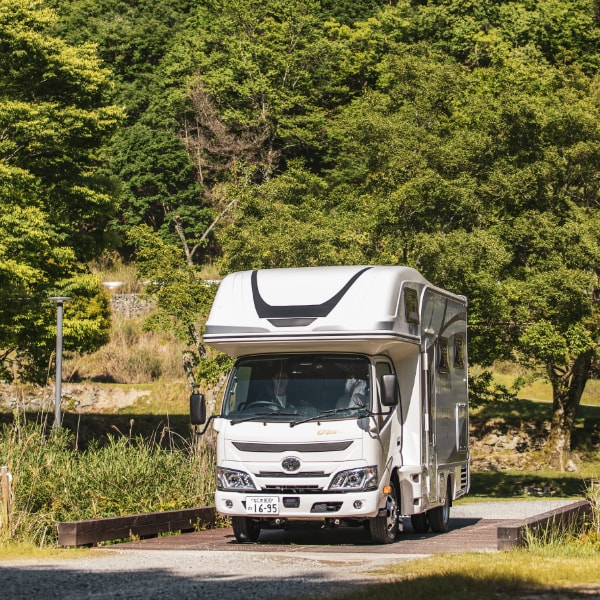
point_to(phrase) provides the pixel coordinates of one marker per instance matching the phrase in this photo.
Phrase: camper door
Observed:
(429, 409)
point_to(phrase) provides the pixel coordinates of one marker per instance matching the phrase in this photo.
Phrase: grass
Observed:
(16, 551)
(111, 267)
(559, 563)
(132, 356)
(54, 482)
(164, 398)
(486, 485)
(519, 573)
(537, 386)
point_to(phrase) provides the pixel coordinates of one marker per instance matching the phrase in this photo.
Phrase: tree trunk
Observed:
(567, 389)
(190, 362)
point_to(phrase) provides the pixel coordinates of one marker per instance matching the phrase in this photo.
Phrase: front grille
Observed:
(293, 446)
(292, 489)
(276, 474)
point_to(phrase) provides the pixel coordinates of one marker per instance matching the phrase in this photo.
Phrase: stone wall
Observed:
(130, 306)
(76, 397)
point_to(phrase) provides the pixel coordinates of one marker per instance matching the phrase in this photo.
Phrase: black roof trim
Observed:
(295, 311)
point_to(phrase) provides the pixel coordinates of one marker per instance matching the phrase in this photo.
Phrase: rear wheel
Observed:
(439, 517)
(245, 529)
(384, 527)
(420, 523)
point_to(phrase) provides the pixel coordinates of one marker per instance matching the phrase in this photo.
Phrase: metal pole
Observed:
(59, 300)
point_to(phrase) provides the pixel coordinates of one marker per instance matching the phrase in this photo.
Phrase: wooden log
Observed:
(5, 499)
(93, 531)
(513, 534)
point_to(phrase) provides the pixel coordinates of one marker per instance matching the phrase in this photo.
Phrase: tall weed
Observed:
(53, 483)
(575, 537)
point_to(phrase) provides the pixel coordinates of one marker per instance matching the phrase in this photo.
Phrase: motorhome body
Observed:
(348, 402)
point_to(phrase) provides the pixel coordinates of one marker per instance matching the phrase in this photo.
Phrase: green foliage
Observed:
(461, 138)
(159, 183)
(55, 114)
(483, 389)
(54, 202)
(131, 37)
(284, 223)
(349, 11)
(53, 483)
(183, 301)
(180, 293)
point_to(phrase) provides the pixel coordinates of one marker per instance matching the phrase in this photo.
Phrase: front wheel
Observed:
(245, 529)
(384, 527)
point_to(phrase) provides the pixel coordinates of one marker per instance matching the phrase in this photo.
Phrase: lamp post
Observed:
(59, 300)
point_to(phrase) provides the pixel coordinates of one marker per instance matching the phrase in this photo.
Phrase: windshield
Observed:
(297, 387)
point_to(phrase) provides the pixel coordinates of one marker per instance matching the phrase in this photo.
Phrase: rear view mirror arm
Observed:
(208, 422)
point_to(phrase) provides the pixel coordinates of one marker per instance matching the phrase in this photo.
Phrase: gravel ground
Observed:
(190, 574)
(148, 575)
(513, 509)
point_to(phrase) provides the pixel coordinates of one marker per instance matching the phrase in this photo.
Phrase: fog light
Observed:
(358, 504)
(228, 503)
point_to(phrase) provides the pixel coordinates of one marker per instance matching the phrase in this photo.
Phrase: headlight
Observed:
(361, 479)
(230, 479)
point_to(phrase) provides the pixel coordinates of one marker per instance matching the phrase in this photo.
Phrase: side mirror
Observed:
(197, 409)
(389, 390)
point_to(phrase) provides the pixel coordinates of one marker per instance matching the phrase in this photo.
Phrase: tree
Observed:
(159, 183)
(54, 201)
(261, 79)
(473, 155)
(485, 157)
(132, 38)
(183, 299)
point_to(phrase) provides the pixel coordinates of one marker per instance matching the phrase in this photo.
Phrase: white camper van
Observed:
(348, 401)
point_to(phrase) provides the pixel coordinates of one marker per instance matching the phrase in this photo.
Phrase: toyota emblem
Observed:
(290, 463)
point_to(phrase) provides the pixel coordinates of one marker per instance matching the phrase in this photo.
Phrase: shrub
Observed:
(53, 483)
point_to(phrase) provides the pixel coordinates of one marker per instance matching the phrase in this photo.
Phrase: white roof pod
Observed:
(325, 307)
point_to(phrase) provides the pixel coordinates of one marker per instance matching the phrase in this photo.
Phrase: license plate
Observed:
(262, 505)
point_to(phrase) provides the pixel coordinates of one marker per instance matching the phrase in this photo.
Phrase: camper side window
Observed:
(443, 363)
(462, 427)
(411, 305)
(459, 351)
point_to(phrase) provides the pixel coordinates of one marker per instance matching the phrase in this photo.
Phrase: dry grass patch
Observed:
(473, 576)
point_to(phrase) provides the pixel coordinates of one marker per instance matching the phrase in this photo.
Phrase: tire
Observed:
(385, 527)
(420, 523)
(245, 529)
(439, 517)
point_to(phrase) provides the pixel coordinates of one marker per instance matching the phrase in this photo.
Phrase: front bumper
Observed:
(351, 505)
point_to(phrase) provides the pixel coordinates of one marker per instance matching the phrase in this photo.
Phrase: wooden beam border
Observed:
(93, 531)
(513, 533)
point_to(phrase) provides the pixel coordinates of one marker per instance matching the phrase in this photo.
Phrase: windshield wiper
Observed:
(324, 413)
(259, 416)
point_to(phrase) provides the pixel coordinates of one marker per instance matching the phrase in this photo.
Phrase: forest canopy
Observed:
(461, 138)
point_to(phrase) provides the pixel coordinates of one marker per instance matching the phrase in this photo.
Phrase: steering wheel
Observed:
(266, 403)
